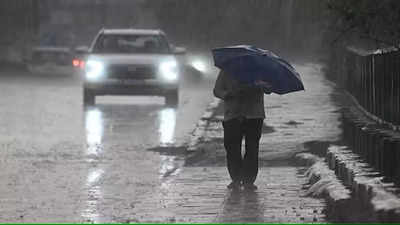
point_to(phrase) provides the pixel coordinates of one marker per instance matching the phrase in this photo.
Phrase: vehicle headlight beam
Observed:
(169, 70)
(94, 69)
(199, 65)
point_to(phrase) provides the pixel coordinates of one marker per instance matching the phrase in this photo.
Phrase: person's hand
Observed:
(266, 86)
(263, 83)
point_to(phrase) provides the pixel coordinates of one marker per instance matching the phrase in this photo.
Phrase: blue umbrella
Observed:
(250, 64)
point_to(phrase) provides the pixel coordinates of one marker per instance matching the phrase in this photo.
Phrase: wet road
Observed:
(61, 162)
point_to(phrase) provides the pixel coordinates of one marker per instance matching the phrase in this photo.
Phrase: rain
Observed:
(113, 111)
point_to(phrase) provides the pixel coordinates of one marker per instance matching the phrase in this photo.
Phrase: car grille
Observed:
(131, 72)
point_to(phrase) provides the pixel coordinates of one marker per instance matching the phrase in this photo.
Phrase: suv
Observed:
(131, 62)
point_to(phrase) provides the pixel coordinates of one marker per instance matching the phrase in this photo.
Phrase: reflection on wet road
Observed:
(167, 121)
(94, 194)
(240, 203)
(62, 162)
(112, 126)
(149, 125)
(118, 130)
(94, 130)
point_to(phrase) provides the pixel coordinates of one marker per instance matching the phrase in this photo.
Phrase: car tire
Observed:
(88, 97)
(172, 98)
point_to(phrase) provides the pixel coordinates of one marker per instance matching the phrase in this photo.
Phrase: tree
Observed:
(374, 20)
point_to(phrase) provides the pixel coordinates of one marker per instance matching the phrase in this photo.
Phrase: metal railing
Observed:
(373, 78)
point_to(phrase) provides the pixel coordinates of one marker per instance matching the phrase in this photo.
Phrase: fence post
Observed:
(397, 87)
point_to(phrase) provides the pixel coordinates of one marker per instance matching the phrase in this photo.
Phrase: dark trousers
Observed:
(242, 168)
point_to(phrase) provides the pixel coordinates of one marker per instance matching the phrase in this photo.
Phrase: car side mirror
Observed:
(179, 51)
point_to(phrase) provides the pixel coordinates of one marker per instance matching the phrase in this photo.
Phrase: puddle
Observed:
(170, 166)
(274, 107)
(171, 160)
(267, 129)
(169, 150)
(293, 123)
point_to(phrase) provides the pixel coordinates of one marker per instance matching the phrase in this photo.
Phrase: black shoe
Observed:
(234, 185)
(250, 187)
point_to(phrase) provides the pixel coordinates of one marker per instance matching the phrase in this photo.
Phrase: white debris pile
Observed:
(324, 181)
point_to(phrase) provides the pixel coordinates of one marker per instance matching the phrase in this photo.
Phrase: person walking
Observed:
(243, 118)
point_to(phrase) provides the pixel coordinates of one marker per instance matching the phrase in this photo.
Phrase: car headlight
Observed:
(94, 69)
(169, 70)
(199, 65)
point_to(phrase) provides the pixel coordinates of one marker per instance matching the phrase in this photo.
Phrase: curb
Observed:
(345, 181)
(197, 134)
(378, 145)
(323, 179)
(366, 184)
(324, 184)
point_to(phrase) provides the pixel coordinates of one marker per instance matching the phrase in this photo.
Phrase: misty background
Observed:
(291, 28)
(288, 27)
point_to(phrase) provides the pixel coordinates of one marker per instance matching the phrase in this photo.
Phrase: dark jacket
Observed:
(240, 100)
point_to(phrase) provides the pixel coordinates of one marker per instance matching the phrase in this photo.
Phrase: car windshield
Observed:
(142, 44)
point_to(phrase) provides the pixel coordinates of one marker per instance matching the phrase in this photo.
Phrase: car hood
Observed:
(130, 59)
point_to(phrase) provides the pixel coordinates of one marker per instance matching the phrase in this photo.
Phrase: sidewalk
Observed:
(198, 192)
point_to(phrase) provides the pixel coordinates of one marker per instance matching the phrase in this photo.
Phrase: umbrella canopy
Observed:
(249, 64)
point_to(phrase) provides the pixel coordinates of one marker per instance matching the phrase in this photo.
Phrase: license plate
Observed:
(132, 69)
(133, 82)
